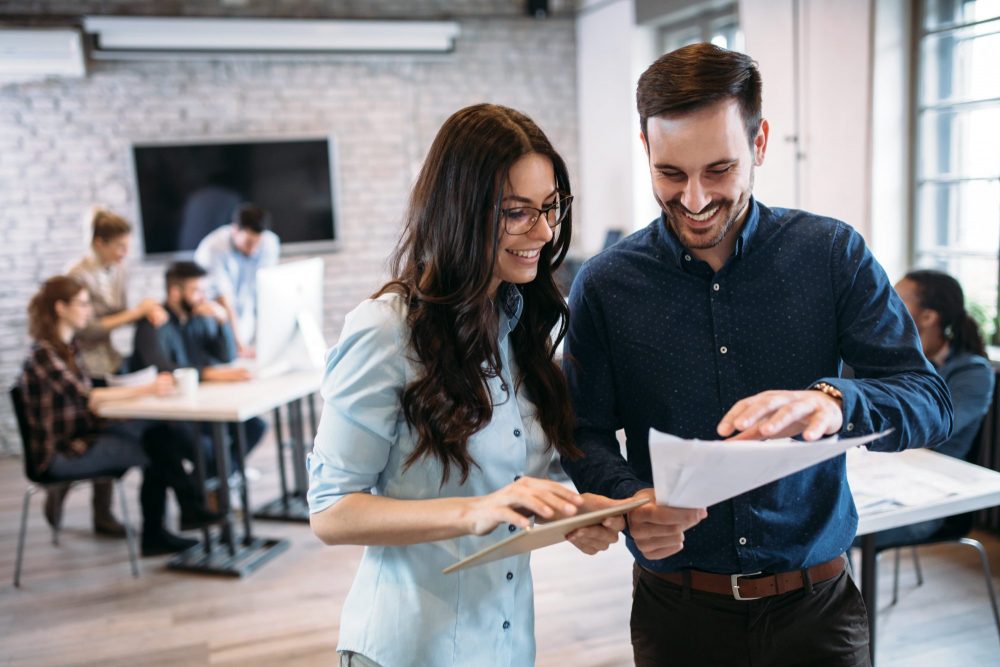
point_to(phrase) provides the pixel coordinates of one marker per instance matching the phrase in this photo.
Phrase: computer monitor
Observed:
(290, 316)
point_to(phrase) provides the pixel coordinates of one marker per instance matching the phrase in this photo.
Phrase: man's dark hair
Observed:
(251, 218)
(697, 76)
(179, 272)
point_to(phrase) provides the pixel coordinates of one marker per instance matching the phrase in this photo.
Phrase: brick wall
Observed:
(64, 144)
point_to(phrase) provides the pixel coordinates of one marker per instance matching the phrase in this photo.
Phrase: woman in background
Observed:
(443, 406)
(68, 438)
(102, 272)
(952, 342)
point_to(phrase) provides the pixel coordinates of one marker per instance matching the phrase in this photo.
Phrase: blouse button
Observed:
(506, 625)
(512, 528)
(517, 433)
(510, 575)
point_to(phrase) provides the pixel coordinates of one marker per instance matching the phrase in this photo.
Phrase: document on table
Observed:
(145, 376)
(878, 488)
(700, 473)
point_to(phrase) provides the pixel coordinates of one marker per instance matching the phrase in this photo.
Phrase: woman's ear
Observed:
(61, 308)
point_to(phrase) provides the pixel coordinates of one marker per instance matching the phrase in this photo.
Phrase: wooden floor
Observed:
(78, 605)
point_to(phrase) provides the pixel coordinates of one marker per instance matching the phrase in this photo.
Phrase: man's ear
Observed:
(760, 142)
(645, 144)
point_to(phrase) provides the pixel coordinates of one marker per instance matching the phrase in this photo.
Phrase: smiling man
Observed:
(726, 318)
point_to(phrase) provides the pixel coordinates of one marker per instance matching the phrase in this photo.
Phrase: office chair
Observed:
(38, 480)
(954, 530)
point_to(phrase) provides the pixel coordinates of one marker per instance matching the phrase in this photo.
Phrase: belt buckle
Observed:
(734, 582)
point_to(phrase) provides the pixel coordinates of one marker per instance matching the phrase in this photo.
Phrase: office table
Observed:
(219, 403)
(972, 488)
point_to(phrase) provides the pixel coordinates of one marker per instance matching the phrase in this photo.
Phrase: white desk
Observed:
(220, 403)
(974, 488)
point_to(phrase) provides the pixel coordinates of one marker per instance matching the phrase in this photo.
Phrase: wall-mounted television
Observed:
(186, 190)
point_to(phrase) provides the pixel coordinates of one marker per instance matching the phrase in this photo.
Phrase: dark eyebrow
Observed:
(662, 166)
(525, 200)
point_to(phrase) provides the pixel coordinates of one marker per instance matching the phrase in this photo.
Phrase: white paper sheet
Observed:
(700, 473)
(145, 376)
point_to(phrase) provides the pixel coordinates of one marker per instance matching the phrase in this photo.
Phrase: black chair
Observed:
(40, 481)
(954, 530)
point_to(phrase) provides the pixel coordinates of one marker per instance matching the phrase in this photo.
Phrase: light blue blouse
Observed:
(401, 610)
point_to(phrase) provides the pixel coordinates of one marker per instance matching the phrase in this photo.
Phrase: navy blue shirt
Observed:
(657, 339)
(196, 342)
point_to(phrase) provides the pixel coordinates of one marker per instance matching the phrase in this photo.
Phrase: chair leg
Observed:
(978, 546)
(916, 566)
(129, 531)
(24, 527)
(895, 576)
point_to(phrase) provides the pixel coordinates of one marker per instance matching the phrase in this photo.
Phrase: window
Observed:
(720, 26)
(957, 173)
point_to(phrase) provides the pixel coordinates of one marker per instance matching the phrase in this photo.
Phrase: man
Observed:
(724, 318)
(198, 335)
(233, 254)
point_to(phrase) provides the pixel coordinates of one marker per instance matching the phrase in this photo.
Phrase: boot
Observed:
(157, 541)
(105, 522)
(55, 496)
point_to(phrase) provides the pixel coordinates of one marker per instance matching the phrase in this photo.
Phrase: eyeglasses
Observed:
(521, 219)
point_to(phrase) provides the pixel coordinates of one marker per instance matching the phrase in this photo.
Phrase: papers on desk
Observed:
(145, 376)
(701, 473)
(878, 489)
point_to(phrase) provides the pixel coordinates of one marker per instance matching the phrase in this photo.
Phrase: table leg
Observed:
(299, 451)
(199, 471)
(313, 422)
(869, 586)
(222, 469)
(292, 504)
(280, 446)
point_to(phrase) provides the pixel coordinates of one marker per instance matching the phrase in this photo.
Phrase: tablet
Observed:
(541, 535)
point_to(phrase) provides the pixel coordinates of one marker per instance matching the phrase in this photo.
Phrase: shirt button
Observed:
(716, 287)
(512, 528)
(743, 540)
(723, 349)
(517, 477)
(517, 433)
(506, 624)
(850, 427)
(510, 575)
(687, 258)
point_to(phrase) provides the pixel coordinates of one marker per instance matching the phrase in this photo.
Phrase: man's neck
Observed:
(178, 310)
(717, 256)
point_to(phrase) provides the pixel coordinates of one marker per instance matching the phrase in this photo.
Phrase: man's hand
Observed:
(593, 539)
(782, 414)
(153, 312)
(658, 531)
(211, 309)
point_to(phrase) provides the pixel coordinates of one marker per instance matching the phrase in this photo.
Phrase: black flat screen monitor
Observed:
(187, 190)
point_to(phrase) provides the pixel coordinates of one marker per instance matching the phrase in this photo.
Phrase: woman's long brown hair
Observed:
(43, 322)
(443, 267)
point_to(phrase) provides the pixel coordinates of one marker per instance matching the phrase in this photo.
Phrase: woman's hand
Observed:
(516, 502)
(592, 539)
(163, 385)
(153, 312)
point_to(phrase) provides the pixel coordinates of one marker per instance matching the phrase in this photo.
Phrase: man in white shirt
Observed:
(232, 254)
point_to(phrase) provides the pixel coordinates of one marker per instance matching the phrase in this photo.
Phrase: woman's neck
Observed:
(65, 332)
(939, 355)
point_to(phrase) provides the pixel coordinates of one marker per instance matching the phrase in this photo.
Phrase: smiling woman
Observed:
(443, 406)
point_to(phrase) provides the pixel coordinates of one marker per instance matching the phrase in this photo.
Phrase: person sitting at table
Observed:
(102, 272)
(68, 437)
(233, 254)
(197, 334)
(952, 342)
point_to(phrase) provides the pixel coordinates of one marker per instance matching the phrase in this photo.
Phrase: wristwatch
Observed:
(829, 390)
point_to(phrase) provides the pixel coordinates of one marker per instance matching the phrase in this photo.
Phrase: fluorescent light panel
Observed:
(27, 54)
(116, 33)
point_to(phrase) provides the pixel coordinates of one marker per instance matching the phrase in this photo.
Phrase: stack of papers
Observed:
(701, 473)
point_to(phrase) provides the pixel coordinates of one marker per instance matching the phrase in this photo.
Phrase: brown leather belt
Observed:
(754, 585)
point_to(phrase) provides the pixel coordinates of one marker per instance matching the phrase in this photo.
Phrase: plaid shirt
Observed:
(55, 400)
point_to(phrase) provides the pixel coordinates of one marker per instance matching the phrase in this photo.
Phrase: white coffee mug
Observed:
(186, 380)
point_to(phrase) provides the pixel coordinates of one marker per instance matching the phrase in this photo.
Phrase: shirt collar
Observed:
(678, 252)
(511, 303)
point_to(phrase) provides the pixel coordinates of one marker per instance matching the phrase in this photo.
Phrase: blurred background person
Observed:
(232, 254)
(70, 439)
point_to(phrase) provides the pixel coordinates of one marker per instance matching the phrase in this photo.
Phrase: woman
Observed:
(102, 272)
(952, 342)
(443, 406)
(70, 440)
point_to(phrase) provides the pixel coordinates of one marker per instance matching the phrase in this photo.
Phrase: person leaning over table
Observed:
(443, 405)
(725, 317)
(102, 271)
(71, 440)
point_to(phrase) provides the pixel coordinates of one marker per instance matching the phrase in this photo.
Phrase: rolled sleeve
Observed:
(362, 389)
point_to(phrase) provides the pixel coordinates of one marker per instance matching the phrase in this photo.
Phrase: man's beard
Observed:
(187, 307)
(710, 236)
